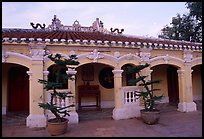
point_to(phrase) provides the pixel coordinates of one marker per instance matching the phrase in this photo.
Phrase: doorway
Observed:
(172, 81)
(18, 89)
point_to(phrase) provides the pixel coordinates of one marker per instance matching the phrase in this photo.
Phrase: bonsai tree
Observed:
(59, 112)
(147, 94)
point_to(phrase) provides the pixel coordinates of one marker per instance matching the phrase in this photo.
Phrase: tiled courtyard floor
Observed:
(172, 123)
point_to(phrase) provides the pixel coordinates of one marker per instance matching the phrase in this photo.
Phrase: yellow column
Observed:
(186, 103)
(117, 112)
(118, 88)
(36, 117)
(181, 81)
(47, 96)
(73, 118)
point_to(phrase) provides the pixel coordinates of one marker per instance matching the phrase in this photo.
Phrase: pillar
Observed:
(36, 116)
(118, 111)
(47, 97)
(186, 103)
(73, 118)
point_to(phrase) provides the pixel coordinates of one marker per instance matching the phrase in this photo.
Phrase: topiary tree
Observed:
(54, 85)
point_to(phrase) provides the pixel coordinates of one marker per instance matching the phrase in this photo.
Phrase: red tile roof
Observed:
(96, 36)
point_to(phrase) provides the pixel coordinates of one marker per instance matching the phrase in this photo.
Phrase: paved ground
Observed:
(171, 124)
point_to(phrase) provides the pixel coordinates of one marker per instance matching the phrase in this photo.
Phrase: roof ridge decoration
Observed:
(97, 26)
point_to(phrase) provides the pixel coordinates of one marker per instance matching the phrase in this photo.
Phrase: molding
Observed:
(95, 55)
(72, 72)
(117, 71)
(19, 55)
(166, 59)
(45, 72)
(196, 59)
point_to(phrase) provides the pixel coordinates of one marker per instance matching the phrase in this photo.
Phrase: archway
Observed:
(17, 88)
(169, 82)
(126, 77)
(53, 70)
(197, 82)
(95, 74)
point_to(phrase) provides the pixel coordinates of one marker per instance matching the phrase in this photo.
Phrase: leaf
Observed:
(157, 97)
(134, 81)
(136, 69)
(150, 82)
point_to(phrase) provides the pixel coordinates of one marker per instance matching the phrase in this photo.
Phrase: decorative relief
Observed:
(166, 58)
(36, 53)
(72, 53)
(56, 24)
(187, 55)
(117, 54)
(95, 55)
(145, 54)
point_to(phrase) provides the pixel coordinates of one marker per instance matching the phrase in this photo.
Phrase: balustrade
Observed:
(128, 95)
(59, 102)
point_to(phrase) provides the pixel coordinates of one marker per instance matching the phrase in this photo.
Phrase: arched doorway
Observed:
(169, 82)
(172, 81)
(18, 88)
(197, 82)
(95, 74)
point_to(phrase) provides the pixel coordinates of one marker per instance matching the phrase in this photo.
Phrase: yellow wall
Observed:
(160, 73)
(106, 94)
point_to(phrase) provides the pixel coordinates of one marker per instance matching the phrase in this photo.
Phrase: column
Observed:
(118, 112)
(181, 105)
(73, 118)
(186, 103)
(47, 96)
(36, 116)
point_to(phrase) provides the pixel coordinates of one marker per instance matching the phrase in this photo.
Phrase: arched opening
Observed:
(169, 82)
(15, 94)
(197, 84)
(95, 74)
(126, 77)
(18, 88)
(56, 69)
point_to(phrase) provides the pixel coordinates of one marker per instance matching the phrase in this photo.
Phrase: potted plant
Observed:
(150, 115)
(58, 124)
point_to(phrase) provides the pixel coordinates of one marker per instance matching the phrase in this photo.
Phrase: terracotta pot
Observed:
(57, 128)
(150, 117)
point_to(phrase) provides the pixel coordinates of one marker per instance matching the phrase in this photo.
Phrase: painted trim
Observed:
(18, 55)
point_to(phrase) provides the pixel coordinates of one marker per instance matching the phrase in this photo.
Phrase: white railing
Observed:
(60, 102)
(128, 95)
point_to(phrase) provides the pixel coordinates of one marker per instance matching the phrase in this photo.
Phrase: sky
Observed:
(136, 18)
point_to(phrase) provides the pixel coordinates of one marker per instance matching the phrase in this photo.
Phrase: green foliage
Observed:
(187, 27)
(147, 94)
(60, 80)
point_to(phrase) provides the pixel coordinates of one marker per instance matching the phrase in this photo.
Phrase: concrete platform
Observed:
(172, 123)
